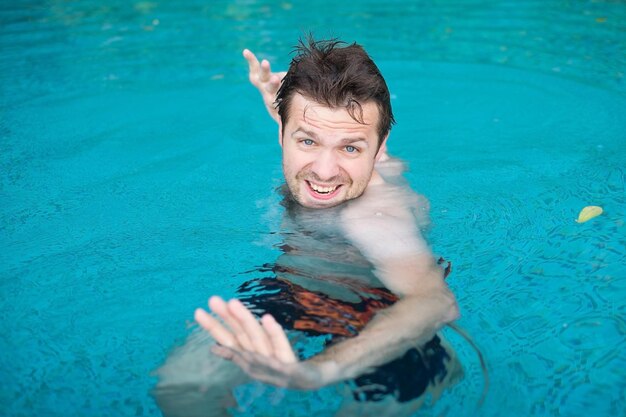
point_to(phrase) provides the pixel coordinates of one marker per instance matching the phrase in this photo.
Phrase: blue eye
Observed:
(307, 142)
(351, 149)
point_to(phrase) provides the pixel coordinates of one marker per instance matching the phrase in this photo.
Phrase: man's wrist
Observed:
(316, 373)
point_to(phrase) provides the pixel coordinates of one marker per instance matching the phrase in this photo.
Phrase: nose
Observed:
(326, 166)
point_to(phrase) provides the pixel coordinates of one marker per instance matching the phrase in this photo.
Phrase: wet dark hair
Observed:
(336, 76)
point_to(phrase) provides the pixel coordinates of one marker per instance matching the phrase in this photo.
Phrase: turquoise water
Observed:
(138, 167)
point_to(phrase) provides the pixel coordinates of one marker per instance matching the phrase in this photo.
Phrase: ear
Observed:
(382, 151)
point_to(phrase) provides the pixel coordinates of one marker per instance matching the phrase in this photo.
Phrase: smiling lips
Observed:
(322, 192)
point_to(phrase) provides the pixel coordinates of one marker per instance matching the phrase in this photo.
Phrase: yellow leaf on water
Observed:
(589, 213)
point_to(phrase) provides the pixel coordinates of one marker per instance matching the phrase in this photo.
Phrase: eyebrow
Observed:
(306, 132)
(344, 141)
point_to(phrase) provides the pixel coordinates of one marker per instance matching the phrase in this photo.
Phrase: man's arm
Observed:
(385, 232)
(383, 227)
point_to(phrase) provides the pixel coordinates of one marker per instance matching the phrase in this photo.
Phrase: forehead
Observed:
(308, 112)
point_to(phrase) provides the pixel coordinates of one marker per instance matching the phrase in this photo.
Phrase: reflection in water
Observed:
(331, 279)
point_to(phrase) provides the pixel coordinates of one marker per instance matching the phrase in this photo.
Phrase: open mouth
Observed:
(322, 192)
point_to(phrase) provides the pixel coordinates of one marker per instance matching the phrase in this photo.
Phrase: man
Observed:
(334, 115)
(354, 267)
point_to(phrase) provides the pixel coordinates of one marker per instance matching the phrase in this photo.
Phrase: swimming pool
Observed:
(138, 170)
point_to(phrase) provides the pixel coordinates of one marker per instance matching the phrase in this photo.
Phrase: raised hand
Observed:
(266, 81)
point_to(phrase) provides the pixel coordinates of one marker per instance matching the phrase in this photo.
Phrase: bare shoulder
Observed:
(383, 223)
(389, 200)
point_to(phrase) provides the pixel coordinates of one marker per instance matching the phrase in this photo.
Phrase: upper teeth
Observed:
(321, 189)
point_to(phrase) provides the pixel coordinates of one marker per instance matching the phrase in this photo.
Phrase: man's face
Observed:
(328, 157)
